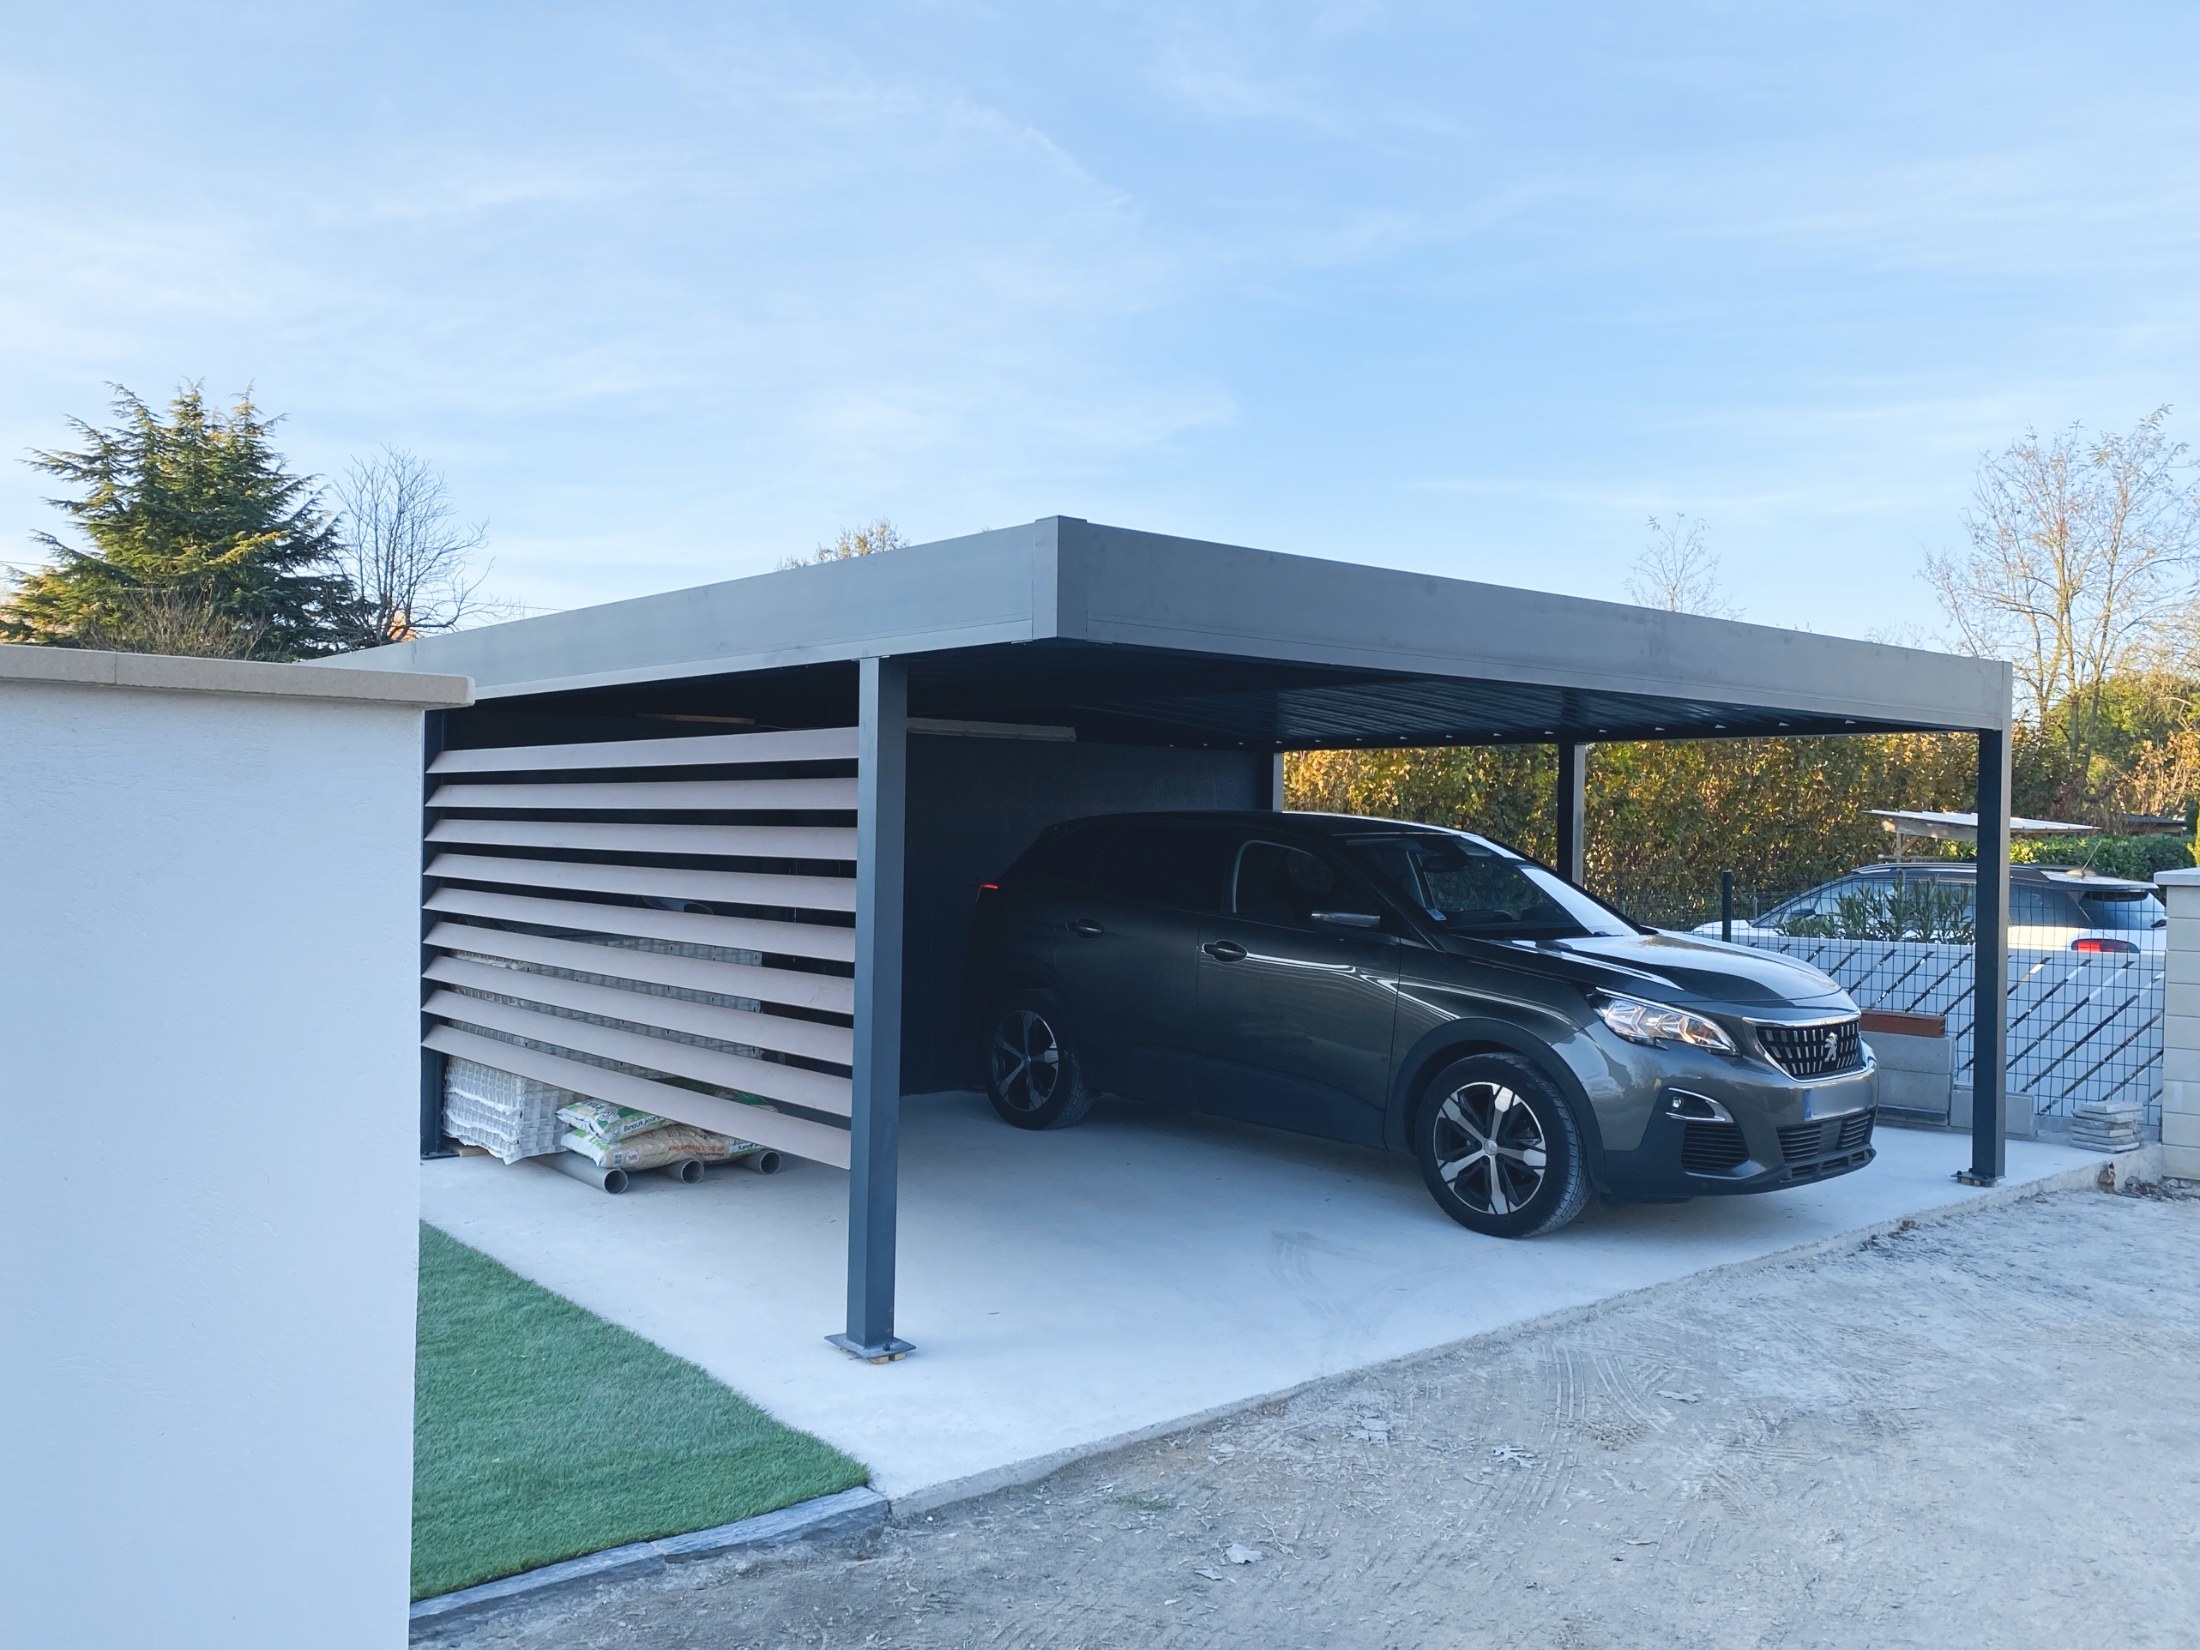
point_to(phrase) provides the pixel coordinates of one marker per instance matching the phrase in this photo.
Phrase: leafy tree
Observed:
(1665, 818)
(187, 511)
(881, 535)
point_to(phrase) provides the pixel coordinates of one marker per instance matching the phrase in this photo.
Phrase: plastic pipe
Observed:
(687, 1171)
(764, 1162)
(572, 1163)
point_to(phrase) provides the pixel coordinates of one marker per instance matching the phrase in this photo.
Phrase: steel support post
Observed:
(1275, 784)
(1573, 810)
(1990, 968)
(874, 1154)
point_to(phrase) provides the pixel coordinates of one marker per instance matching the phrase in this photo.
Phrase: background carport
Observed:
(1065, 668)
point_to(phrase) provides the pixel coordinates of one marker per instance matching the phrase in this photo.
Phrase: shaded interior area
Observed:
(1067, 729)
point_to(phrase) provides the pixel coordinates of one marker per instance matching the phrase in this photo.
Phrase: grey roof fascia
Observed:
(1060, 577)
(1150, 590)
(974, 591)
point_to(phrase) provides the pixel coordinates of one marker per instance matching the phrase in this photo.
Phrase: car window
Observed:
(1815, 902)
(2122, 908)
(1471, 887)
(1182, 866)
(2040, 908)
(1286, 886)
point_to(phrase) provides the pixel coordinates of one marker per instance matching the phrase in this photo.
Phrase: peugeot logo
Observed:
(1833, 1047)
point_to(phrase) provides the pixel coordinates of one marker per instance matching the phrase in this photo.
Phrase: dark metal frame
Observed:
(1143, 639)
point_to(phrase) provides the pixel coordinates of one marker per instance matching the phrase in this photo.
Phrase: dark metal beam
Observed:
(874, 1159)
(1573, 810)
(1990, 972)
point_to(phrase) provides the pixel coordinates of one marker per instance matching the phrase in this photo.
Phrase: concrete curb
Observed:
(2142, 1163)
(851, 1512)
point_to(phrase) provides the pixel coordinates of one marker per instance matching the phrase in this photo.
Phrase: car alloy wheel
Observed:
(1027, 1060)
(1490, 1149)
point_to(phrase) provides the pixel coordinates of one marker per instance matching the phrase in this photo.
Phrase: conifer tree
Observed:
(191, 508)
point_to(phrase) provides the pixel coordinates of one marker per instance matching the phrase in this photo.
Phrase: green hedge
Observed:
(2137, 857)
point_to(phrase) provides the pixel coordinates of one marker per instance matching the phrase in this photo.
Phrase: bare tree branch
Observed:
(406, 553)
(1678, 572)
(2081, 567)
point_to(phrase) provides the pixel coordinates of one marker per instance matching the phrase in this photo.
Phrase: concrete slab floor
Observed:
(1069, 1289)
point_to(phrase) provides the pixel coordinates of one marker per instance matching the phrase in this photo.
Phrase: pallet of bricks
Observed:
(516, 1118)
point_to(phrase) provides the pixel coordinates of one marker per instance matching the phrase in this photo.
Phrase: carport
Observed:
(844, 752)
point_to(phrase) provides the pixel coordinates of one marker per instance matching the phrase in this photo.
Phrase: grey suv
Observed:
(1415, 989)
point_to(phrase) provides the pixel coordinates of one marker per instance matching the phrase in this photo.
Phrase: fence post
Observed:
(2181, 1025)
(1726, 906)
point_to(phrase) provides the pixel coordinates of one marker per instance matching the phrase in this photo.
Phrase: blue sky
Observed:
(672, 291)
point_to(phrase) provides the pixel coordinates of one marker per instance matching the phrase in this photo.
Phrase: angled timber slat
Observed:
(812, 1090)
(661, 796)
(791, 988)
(726, 887)
(792, 939)
(728, 1025)
(794, 745)
(829, 842)
(819, 1142)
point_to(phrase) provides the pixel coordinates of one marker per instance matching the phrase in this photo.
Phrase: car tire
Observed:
(1034, 1074)
(1537, 1177)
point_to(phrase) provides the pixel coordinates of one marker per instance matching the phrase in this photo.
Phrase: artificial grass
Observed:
(541, 1432)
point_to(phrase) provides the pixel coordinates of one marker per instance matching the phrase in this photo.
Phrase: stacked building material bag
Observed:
(619, 1137)
(508, 1117)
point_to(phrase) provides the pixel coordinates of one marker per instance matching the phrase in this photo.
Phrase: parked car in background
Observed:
(1415, 989)
(2051, 908)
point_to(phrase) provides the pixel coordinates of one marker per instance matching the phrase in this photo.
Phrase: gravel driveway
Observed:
(1975, 1432)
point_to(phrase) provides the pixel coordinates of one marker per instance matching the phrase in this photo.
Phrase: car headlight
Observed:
(1641, 1022)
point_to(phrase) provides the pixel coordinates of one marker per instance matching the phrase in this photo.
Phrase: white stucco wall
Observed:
(208, 938)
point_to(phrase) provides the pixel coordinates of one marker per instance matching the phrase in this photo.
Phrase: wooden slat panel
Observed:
(727, 1025)
(712, 795)
(748, 841)
(793, 939)
(812, 1090)
(835, 993)
(819, 1142)
(727, 887)
(794, 745)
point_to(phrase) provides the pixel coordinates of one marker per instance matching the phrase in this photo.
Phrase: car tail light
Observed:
(2090, 944)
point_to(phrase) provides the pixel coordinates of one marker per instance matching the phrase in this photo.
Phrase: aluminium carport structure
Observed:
(843, 752)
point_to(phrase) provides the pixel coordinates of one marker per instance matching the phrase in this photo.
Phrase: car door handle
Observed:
(1224, 950)
(1086, 929)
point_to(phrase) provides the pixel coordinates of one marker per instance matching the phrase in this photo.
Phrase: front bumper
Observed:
(1782, 1134)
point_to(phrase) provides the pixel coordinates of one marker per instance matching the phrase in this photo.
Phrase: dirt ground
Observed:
(1978, 1432)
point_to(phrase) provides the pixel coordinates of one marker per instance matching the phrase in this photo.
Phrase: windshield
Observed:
(1473, 887)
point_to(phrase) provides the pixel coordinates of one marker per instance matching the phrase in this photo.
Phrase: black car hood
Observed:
(1681, 969)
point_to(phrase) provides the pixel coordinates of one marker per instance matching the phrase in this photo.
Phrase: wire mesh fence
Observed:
(2085, 1027)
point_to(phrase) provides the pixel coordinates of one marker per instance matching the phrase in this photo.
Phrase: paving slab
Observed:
(1070, 1290)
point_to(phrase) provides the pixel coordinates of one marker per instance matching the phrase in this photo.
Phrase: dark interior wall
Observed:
(974, 805)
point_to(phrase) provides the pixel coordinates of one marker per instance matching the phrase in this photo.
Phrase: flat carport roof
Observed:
(1140, 639)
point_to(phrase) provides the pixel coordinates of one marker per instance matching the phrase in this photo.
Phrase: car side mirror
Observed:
(1346, 919)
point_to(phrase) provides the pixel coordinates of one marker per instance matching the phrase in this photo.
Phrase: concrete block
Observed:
(2180, 1128)
(2181, 1001)
(2181, 1096)
(2181, 967)
(1930, 1056)
(2181, 1162)
(2016, 1111)
(2180, 1061)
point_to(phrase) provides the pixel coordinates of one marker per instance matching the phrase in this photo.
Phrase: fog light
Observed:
(1697, 1108)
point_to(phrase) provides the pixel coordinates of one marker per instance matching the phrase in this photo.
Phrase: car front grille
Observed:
(1814, 1051)
(1712, 1148)
(1807, 1142)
